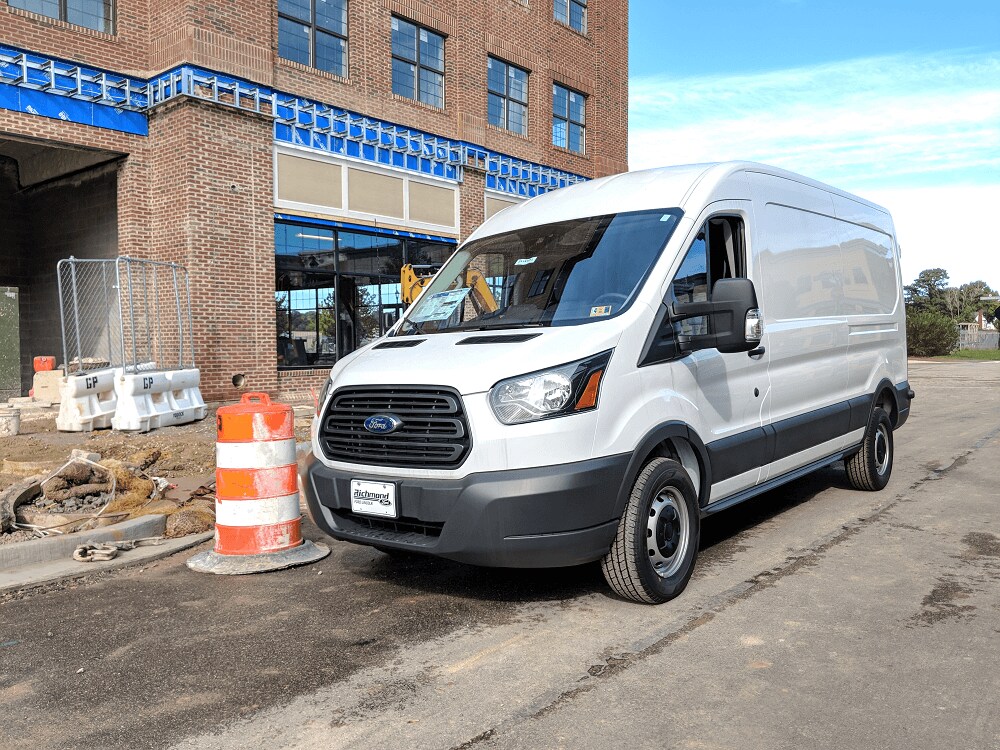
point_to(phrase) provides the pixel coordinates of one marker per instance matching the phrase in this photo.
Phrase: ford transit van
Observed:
(596, 370)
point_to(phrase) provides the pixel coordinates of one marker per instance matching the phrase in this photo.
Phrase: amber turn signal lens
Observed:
(588, 399)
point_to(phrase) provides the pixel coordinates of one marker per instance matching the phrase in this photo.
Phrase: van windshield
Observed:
(565, 273)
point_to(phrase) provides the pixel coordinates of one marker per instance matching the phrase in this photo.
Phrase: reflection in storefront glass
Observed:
(338, 290)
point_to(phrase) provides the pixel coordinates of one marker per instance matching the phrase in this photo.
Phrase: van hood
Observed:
(441, 359)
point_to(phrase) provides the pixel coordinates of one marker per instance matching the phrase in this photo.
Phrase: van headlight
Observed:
(321, 399)
(566, 389)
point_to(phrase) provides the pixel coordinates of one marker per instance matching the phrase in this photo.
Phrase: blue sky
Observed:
(898, 101)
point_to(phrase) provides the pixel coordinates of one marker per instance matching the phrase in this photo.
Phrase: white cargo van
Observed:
(596, 370)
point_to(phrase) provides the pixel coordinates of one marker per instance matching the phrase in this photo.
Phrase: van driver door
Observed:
(729, 389)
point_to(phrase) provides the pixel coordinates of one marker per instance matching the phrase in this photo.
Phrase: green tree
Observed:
(969, 302)
(281, 312)
(931, 303)
(930, 333)
(361, 315)
(927, 290)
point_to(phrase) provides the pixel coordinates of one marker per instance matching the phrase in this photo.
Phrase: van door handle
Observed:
(754, 353)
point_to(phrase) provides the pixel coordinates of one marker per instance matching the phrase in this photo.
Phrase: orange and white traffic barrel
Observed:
(258, 524)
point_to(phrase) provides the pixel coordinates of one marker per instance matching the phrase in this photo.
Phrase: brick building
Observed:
(292, 154)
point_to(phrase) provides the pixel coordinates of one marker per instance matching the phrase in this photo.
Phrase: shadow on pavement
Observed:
(431, 575)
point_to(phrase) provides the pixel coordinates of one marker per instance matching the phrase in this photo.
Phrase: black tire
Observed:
(637, 566)
(869, 469)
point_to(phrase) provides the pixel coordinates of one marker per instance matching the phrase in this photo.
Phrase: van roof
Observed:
(648, 189)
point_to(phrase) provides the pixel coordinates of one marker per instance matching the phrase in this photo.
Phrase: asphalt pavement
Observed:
(818, 617)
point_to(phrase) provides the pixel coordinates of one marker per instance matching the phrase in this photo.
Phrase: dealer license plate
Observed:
(373, 498)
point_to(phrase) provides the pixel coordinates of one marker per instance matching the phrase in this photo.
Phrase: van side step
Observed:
(760, 489)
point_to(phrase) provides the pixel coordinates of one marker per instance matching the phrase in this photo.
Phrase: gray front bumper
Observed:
(550, 516)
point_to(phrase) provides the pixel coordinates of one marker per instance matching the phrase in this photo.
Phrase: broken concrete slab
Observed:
(28, 468)
(46, 385)
(22, 403)
(10, 422)
(85, 455)
(12, 497)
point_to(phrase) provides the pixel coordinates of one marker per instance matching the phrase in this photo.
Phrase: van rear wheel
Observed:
(869, 469)
(656, 545)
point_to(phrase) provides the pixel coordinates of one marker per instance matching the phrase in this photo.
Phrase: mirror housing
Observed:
(737, 323)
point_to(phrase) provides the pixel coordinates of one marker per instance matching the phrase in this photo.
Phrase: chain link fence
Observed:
(976, 339)
(125, 313)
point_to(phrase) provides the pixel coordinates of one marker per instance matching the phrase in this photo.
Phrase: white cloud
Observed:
(919, 134)
(950, 227)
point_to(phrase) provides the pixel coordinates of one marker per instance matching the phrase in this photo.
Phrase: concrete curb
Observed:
(22, 579)
(22, 554)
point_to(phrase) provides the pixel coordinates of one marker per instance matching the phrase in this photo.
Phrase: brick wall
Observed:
(211, 209)
(240, 37)
(199, 189)
(125, 51)
(524, 34)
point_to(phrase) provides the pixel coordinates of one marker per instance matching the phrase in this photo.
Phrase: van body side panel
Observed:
(799, 255)
(872, 297)
(833, 315)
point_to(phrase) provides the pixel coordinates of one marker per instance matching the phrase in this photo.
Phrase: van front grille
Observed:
(433, 430)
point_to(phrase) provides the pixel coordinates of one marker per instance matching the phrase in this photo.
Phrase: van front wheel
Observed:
(870, 468)
(656, 545)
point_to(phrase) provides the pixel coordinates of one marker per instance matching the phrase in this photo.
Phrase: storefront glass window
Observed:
(338, 290)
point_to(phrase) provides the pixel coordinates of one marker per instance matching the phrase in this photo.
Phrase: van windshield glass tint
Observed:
(565, 273)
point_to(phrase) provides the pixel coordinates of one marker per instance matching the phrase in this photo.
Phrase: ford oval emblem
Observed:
(383, 424)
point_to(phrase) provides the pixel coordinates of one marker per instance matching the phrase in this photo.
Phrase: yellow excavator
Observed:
(413, 279)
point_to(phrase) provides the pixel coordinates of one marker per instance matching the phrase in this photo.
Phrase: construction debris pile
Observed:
(88, 492)
(79, 487)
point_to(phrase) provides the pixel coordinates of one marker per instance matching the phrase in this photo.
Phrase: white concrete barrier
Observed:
(88, 400)
(185, 392)
(147, 400)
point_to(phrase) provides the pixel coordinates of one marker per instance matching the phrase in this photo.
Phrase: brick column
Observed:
(134, 228)
(211, 209)
(472, 199)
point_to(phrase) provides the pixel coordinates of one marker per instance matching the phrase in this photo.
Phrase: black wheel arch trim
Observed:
(901, 400)
(646, 446)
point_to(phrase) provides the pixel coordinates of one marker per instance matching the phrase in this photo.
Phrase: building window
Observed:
(314, 33)
(573, 13)
(569, 118)
(93, 14)
(417, 63)
(507, 104)
(337, 290)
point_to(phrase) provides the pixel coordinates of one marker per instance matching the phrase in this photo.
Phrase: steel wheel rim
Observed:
(881, 450)
(667, 532)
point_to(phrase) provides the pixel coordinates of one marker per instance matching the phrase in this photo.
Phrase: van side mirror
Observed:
(736, 322)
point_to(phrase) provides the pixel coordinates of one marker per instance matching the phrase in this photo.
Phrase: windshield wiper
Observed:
(511, 324)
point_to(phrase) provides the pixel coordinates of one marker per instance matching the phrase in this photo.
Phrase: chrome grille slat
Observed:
(434, 431)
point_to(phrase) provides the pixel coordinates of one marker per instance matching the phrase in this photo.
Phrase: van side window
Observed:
(716, 253)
